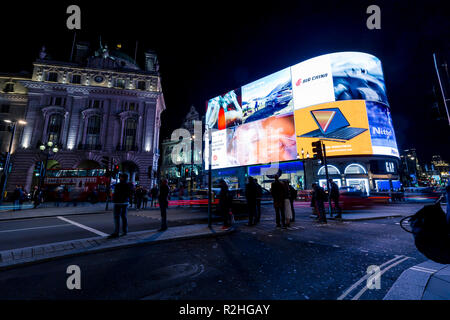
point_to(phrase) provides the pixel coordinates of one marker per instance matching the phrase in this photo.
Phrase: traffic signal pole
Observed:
(326, 175)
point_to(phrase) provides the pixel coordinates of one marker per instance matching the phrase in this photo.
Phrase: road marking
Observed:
(83, 226)
(356, 284)
(422, 269)
(54, 226)
(360, 293)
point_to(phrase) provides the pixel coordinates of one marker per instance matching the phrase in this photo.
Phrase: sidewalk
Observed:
(24, 256)
(426, 281)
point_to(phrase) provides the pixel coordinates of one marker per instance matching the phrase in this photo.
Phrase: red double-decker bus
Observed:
(76, 184)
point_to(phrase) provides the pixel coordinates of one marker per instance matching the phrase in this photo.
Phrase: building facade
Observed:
(188, 170)
(100, 104)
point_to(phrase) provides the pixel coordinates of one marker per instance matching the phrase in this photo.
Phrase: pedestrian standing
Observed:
(250, 195)
(17, 194)
(224, 204)
(144, 198)
(320, 197)
(278, 192)
(163, 199)
(154, 194)
(121, 199)
(36, 197)
(334, 196)
(292, 198)
(139, 196)
(258, 200)
(287, 203)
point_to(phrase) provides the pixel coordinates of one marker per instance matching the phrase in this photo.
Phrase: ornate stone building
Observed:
(100, 104)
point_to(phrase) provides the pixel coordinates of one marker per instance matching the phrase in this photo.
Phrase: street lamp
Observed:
(12, 128)
(192, 161)
(47, 149)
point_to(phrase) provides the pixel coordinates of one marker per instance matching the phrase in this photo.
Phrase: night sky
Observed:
(208, 48)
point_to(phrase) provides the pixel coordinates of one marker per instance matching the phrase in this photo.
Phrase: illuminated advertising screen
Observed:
(264, 141)
(344, 121)
(340, 96)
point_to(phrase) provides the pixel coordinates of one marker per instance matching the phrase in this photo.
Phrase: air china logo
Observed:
(320, 76)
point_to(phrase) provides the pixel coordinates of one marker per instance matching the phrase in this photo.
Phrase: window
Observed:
(355, 168)
(5, 108)
(120, 83)
(52, 76)
(76, 78)
(9, 87)
(95, 104)
(141, 85)
(57, 101)
(130, 134)
(54, 128)
(93, 132)
(331, 170)
(132, 106)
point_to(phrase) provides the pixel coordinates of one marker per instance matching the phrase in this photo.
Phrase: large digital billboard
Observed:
(336, 96)
(264, 141)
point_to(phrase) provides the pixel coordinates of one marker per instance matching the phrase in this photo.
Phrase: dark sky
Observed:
(208, 48)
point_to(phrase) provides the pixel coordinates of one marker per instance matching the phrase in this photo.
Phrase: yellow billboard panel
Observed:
(345, 122)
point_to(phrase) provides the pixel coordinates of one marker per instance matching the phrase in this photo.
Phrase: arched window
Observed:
(54, 128)
(331, 170)
(93, 132)
(130, 134)
(355, 168)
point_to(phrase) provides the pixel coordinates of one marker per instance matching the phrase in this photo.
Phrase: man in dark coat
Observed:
(121, 199)
(334, 196)
(278, 193)
(319, 197)
(251, 195)
(163, 199)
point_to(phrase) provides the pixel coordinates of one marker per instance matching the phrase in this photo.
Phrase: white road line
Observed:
(360, 293)
(421, 269)
(24, 229)
(83, 226)
(356, 284)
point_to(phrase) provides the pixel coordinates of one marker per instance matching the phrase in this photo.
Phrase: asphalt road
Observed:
(309, 261)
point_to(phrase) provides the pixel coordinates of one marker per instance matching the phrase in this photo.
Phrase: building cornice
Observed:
(86, 90)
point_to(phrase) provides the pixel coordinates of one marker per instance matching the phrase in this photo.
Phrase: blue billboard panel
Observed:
(381, 129)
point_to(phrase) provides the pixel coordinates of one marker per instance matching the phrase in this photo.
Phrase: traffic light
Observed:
(317, 150)
(186, 171)
(115, 170)
(37, 168)
(3, 156)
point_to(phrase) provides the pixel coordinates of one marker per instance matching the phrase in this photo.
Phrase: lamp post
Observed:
(13, 125)
(192, 162)
(304, 168)
(48, 148)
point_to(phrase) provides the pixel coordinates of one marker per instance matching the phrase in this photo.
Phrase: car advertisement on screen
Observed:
(381, 129)
(357, 76)
(264, 141)
(269, 96)
(225, 111)
(343, 121)
(312, 82)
